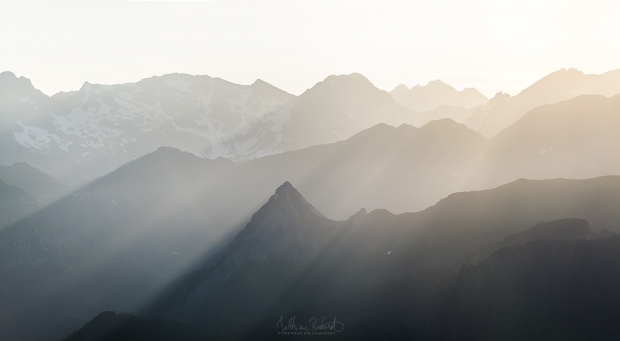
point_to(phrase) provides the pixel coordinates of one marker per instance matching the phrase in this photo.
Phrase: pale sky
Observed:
(490, 45)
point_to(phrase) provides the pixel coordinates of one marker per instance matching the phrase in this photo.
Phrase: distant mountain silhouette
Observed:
(570, 139)
(437, 93)
(503, 110)
(82, 135)
(558, 86)
(32, 180)
(85, 134)
(336, 109)
(398, 168)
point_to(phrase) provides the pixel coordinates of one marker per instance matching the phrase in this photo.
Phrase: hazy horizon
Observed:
(489, 46)
(151, 189)
(491, 95)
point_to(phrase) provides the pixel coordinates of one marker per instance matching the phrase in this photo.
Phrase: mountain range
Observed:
(80, 135)
(110, 247)
(87, 133)
(148, 222)
(194, 233)
(503, 110)
(437, 93)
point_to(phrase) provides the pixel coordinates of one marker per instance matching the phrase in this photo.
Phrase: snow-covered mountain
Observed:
(87, 133)
(100, 127)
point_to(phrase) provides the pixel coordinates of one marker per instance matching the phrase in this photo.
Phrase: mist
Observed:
(234, 170)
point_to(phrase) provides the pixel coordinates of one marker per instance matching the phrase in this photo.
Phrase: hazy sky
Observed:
(491, 45)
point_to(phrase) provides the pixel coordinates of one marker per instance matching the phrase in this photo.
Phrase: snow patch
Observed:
(35, 137)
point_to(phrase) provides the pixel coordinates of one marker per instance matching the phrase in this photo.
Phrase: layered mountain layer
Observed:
(88, 133)
(503, 110)
(119, 243)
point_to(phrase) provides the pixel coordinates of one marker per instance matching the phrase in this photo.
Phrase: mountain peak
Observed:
(361, 213)
(437, 93)
(401, 88)
(260, 83)
(7, 75)
(553, 79)
(264, 88)
(352, 86)
(286, 225)
(286, 187)
(347, 79)
(86, 87)
(437, 83)
(445, 125)
(287, 199)
(570, 70)
(10, 83)
(501, 95)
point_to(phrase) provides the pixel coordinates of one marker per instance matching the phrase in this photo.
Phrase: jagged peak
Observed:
(288, 196)
(501, 95)
(86, 87)
(8, 80)
(361, 213)
(569, 70)
(564, 72)
(260, 83)
(263, 87)
(285, 188)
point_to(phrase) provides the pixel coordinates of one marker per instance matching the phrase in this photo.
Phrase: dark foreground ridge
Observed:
(401, 277)
(111, 325)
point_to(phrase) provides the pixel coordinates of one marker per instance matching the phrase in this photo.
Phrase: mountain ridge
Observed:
(435, 93)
